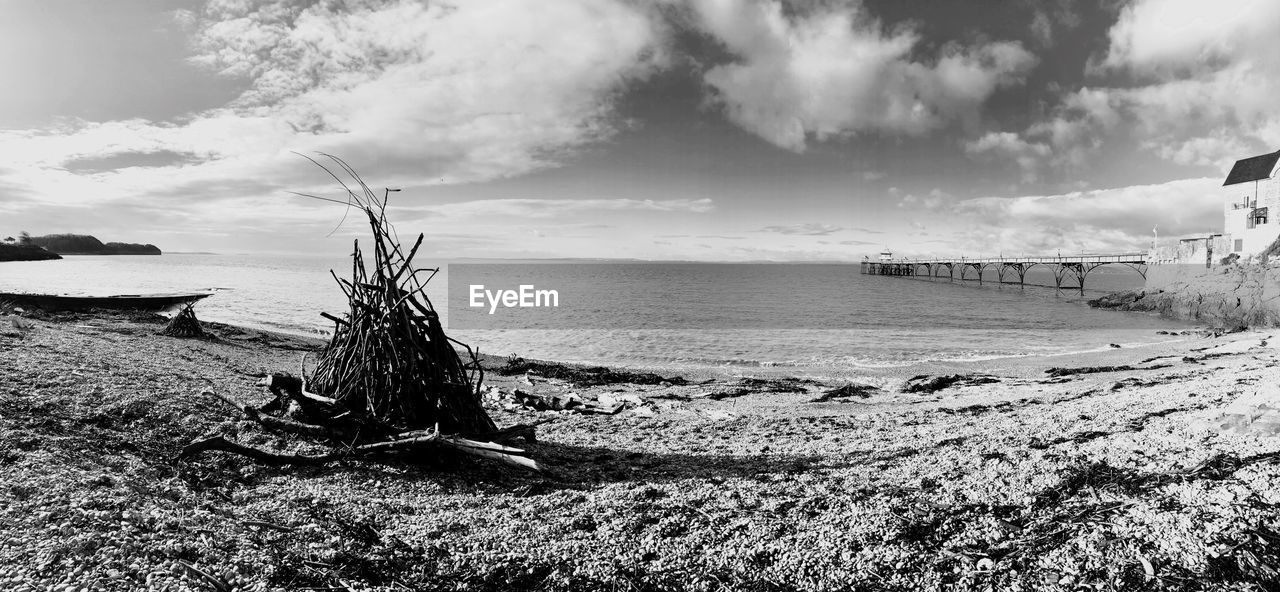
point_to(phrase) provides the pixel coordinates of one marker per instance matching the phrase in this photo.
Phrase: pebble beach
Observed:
(1138, 468)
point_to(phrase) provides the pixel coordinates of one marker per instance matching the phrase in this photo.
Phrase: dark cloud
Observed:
(121, 160)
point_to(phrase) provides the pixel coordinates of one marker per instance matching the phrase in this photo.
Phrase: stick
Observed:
(262, 456)
(335, 319)
(395, 444)
(519, 461)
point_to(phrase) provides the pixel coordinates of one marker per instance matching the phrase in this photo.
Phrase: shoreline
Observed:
(1011, 478)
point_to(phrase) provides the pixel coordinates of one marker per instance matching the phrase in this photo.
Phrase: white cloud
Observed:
(557, 208)
(1103, 220)
(807, 229)
(936, 199)
(1207, 74)
(1170, 37)
(1193, 82)
(836, 72)
(1220, 148)
(410, 93)
(1007, 145)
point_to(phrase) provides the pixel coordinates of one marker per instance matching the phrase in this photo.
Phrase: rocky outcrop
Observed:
(10, 252)
(1225, 296)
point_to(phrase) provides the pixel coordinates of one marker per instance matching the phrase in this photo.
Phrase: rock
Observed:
(1118, 300)
(926, 384)
(851, 390)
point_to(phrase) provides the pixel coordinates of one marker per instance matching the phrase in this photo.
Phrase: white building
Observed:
(1252, 192)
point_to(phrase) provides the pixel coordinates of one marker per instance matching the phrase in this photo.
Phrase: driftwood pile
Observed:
(184, 324)
(390, 380)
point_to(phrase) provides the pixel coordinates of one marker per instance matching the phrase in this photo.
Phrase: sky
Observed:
(713, 130)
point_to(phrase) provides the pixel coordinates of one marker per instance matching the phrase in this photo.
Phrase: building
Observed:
(886, 255)
(1251, 193)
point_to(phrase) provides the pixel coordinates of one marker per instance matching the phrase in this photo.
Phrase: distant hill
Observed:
(83, 244)
(12, 252)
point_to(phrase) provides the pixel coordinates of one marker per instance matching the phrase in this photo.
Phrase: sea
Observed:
(818, 320)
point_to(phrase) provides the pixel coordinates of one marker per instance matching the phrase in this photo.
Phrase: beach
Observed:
(1021, 480)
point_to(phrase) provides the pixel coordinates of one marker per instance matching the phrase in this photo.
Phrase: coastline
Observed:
(1109, 478)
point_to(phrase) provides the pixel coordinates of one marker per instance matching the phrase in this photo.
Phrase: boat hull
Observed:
(144, 302)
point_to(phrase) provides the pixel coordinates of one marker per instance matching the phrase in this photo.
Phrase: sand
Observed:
(1125, 480)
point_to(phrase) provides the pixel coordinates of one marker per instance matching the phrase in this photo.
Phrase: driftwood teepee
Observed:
(389, 357)
(184, 324)
(390, 380)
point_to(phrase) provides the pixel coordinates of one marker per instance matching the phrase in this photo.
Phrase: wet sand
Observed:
(1106, 480)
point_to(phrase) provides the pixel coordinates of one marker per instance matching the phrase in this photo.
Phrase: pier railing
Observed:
(1064, 267)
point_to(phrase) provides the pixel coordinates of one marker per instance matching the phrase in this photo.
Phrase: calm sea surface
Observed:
(822, 320)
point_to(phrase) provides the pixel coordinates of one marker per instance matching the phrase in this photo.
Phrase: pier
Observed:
(1068, 272)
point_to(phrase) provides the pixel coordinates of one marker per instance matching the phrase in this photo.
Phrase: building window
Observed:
(1239, 245)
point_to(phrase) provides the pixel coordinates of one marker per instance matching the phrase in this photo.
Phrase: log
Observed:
(511, 459)
(275, 423)
(463, 442)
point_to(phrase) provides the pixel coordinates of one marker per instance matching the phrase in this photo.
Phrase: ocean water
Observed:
(811, 319)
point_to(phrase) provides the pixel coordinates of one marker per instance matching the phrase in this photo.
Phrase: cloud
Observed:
(1167, 38)
(809, 229)
(121, 160)
(1006, 145)
(1049, 14)
(1191, 82)
(936, 199)
(1209, 73)
(1103, 220)
(834, 71)
(1199, 81)
(555, 208)
(409, 93)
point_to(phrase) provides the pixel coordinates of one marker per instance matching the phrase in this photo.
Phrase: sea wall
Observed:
(1224, 295)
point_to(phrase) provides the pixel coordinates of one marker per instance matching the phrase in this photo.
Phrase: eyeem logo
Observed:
(525, 297)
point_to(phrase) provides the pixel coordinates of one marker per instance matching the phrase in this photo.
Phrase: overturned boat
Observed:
(145, 302)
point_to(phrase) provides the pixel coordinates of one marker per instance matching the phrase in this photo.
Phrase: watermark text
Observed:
(527, 296)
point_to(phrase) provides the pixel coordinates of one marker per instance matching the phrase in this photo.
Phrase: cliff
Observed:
(82, 244)
(10, 252)
(1241, 295)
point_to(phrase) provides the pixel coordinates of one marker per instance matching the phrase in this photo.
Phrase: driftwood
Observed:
(262, 456)
(415, 440)
(389, 381)
(184, 324)
(389, 357)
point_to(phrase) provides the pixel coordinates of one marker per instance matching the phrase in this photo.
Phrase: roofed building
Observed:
(1252, 192)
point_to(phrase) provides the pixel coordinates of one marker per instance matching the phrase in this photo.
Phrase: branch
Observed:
(262, 456)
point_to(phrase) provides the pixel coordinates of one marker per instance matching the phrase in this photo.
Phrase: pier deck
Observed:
(1067, 270)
